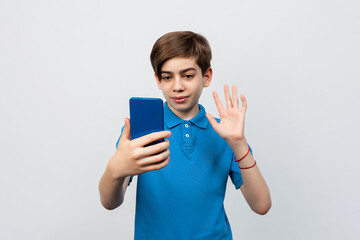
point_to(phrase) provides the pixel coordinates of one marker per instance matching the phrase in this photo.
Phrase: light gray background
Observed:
(68, 68)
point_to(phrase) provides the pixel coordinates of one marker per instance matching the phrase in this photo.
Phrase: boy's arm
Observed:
(254, 189)
(131, 158)
(112, 191)
(231, 128)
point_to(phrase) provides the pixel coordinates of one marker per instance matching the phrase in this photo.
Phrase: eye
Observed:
(165, 78)
(189, 76)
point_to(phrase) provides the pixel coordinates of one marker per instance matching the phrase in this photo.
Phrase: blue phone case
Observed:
(146, 116)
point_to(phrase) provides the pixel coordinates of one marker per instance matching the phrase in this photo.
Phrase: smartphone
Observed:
(146, 116)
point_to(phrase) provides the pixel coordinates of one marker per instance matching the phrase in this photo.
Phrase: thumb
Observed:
(126, 131)
(212, 121)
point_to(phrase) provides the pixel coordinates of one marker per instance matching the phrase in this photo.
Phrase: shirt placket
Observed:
(187, 136)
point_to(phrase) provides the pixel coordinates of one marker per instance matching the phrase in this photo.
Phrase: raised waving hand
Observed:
(232, 118)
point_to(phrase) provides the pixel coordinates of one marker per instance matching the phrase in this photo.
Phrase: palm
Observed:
(232, 119)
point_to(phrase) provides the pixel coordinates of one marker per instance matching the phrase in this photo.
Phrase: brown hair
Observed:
(181, 44)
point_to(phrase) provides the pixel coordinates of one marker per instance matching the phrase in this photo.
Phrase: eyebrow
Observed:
(182, 71)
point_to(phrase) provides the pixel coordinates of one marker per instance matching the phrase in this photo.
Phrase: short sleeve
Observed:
(117, 143)
(235, 173)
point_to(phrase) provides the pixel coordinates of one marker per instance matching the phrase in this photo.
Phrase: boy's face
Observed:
(182, 82)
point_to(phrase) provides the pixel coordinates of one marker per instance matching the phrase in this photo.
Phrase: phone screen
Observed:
(146, 116)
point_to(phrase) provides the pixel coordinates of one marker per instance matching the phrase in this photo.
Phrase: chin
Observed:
(181, 107)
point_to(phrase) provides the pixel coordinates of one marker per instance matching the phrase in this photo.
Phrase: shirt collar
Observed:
(172, 120)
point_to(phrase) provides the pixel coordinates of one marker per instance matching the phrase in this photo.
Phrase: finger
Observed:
(154, 159)
(227, 97)
(152, 137)
(153, 149)
(157, 166)
(235, 97)
(126, 131)
(244, 103)
(212, 121)
(218, 103)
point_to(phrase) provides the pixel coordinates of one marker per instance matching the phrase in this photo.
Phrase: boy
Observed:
(182, 181)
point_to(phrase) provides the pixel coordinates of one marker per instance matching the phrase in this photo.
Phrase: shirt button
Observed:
(186, 125)
(186, 135)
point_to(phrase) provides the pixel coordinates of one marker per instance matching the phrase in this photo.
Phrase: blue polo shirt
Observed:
(184, 200)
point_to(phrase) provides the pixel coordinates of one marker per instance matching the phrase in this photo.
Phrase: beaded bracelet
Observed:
(248, 167)
(243, 156)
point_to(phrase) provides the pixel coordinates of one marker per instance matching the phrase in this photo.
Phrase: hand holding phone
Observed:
(141, 147)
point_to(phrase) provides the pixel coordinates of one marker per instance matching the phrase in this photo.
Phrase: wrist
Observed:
(115, 170)
(240, 147)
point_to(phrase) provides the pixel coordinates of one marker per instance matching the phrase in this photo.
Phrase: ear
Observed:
(157, 80)
(208, 77)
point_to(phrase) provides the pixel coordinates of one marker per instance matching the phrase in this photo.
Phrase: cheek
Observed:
(198, 91)
(164, 88)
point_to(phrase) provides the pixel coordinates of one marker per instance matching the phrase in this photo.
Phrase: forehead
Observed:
(178, 64)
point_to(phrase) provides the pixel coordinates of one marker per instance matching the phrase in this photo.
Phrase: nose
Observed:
(178, 85)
